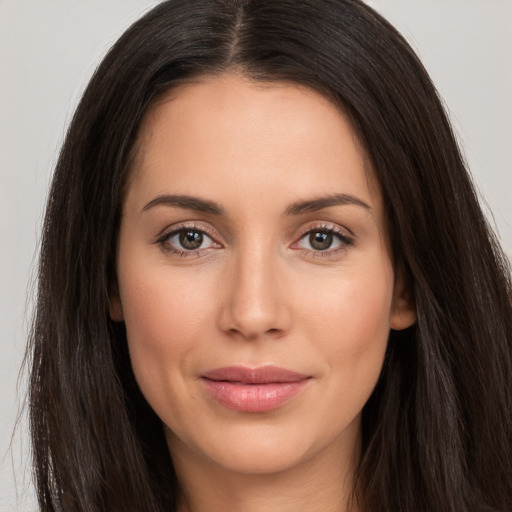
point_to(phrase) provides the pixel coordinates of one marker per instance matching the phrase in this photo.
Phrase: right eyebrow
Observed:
(185, 202)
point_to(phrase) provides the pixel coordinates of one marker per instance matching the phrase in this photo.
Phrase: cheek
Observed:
(164, 317)
(354, 310)
(368, 306)
(350, 321)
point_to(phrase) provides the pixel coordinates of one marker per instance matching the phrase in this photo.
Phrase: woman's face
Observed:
(254, 275)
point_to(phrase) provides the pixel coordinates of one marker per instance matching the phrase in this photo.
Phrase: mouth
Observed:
(253, 389)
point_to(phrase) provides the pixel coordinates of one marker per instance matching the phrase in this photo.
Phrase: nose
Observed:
(254, 300)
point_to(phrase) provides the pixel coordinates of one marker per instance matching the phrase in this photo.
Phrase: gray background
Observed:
(49, 49)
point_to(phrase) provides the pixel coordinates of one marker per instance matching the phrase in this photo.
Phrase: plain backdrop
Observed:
(48, 51)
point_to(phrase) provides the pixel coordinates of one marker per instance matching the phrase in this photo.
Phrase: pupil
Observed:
(320, 241)
(191, 239)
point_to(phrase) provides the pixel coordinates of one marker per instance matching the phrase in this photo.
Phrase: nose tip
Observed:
(250, 324)
(254, 305)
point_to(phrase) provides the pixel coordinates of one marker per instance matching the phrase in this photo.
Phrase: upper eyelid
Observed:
(217, 237)
(163, 240)
(177, 227)
(344, 234)
(326, 226)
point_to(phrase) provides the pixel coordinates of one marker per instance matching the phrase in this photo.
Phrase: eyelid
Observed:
(326, 226)
(344, 235)
(193, 225)
(174, 229)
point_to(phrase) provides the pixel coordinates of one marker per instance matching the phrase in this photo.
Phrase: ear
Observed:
(403, 309)
(115, 307)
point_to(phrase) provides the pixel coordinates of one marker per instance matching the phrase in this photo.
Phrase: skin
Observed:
(256, 292)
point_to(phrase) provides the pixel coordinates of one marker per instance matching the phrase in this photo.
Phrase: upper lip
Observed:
(261, 375)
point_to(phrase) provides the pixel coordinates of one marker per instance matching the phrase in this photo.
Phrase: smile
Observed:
(253, 389)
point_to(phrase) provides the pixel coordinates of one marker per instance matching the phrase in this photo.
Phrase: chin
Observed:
(261, 458)
(266, 449)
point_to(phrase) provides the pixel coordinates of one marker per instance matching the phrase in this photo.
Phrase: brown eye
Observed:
(185, 240)
(190, 239)
(327, 240)
(320, 241)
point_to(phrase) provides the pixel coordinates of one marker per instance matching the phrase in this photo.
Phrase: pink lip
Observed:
(253, 389)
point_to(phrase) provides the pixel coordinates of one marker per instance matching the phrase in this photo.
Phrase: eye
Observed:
(186, 239)
(323, 240)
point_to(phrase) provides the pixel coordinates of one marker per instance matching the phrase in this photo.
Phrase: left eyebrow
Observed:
(316, 204)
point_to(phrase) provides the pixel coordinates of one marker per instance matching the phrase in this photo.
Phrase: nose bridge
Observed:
(253, 304)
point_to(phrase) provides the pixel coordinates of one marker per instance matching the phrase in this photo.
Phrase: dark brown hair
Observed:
(437, 429)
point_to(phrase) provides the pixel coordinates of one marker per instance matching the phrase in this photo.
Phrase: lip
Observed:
(253, 389)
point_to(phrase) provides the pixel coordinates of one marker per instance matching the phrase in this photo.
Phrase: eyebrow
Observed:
(187, 202)
(316, 204)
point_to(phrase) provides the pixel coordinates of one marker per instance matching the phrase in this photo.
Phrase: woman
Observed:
(265, 280)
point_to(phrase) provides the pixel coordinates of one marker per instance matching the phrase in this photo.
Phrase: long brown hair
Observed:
(437, 429)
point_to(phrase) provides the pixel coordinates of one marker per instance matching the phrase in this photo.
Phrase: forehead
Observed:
(230, 129)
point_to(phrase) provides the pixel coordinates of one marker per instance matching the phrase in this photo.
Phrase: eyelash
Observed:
(163, 240)
(344, 240)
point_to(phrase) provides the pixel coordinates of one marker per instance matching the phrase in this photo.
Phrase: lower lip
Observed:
(253, 397)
